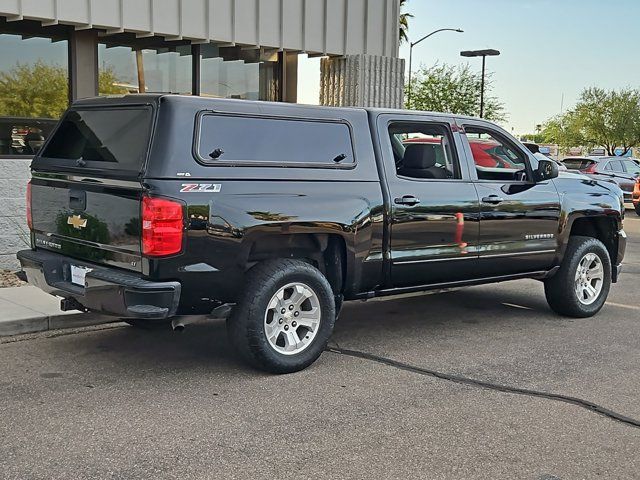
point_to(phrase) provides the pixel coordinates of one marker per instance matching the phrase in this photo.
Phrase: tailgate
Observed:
(93, 220)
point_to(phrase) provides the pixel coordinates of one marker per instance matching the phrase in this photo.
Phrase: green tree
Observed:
(533, 137)
(108, 83)
(33, 90)
(41, 90)
(404, 23)
(601, 118)
(453, 89)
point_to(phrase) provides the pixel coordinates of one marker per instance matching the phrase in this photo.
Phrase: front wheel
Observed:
(581, 286)
(284, 318)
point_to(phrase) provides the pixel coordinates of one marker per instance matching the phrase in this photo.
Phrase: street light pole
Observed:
(484, 54)
(413, 44)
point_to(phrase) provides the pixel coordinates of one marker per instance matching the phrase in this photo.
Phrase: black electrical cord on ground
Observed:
(593, 407)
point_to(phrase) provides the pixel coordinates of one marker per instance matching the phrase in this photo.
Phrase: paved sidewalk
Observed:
(27, 309)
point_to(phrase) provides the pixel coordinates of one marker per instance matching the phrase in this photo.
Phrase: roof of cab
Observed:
(207, 102)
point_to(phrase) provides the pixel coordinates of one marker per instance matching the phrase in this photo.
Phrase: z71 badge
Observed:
(201, 187)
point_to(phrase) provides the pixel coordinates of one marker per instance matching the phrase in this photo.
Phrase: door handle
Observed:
(493, 200)
(406, 200)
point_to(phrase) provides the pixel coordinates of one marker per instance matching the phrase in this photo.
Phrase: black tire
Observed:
(560, 289)
(146, 324)
(637, 207)
(246, 325)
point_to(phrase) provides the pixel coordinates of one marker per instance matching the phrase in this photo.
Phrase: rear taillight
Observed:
(590, 169)
(162, 226)
(29, 218)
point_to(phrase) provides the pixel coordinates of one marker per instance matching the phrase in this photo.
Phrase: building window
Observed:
(34, 89)
(126, 69)
(230, 72)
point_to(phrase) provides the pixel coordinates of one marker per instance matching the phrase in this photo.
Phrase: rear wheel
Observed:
(284, 318)
(582, 284)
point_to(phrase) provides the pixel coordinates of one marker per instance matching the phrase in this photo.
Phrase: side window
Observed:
(631, 167)
(495, 157)
(609, 167)
(228, 138)
(616, 166)
(424, 150)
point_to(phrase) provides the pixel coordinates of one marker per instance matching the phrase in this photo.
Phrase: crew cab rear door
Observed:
(519, 218)
(433, 204)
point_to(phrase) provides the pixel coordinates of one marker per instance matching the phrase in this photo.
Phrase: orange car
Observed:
(636, 196)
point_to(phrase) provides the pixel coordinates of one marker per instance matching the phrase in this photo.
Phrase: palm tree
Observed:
(404, 23)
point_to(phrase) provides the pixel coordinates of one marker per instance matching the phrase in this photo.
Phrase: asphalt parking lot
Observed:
(484, 382)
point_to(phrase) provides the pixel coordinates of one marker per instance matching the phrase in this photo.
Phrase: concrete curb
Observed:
(45, 323)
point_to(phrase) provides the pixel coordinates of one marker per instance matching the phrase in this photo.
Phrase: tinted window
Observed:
(423, 150)
(114, 139)
(495, 157)
(244, 139)
(577, 163)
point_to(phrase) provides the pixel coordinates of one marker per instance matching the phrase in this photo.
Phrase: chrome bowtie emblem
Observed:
(77, 221)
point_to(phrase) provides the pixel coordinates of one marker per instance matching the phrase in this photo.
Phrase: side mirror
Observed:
(547, 169)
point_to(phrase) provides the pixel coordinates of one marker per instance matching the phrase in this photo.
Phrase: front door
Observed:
(519, 218)
(434, 205)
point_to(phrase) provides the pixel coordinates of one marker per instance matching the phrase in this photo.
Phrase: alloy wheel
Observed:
(292, 318)
(589, 278)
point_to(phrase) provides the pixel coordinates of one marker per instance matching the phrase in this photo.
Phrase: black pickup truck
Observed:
(153, 207)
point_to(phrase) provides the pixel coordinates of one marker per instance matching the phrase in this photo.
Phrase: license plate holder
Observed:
(78, 274)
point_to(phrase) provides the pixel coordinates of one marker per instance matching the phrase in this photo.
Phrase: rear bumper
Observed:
(106, 290)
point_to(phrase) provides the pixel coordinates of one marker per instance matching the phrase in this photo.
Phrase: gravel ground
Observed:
(9, 279)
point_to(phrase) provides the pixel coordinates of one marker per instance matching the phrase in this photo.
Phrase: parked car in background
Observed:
(620, 170)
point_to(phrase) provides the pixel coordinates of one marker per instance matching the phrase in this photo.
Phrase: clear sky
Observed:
(548, 48)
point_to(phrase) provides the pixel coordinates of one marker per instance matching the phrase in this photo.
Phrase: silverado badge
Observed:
(77, 221)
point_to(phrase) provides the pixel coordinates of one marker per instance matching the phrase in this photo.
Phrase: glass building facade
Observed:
(39, 67)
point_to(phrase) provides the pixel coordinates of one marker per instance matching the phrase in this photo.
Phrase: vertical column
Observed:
(290, 88)
(83, 64)
(362, 81)
(196, 59)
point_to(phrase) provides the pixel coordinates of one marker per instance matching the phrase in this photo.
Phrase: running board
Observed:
(463, 283)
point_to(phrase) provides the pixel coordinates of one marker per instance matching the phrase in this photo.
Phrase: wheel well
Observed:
(602, 228)
(326, 252)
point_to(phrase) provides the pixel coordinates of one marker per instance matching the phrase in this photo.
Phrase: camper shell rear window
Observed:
(104, 138)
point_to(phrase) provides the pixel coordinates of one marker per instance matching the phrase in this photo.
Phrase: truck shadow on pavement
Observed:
(361, 324)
